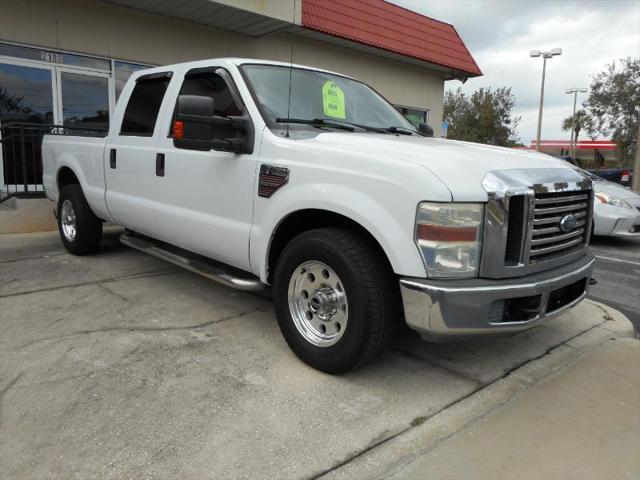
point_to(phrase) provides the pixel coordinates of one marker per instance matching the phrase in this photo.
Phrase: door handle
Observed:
(112, 158)
(160, 164)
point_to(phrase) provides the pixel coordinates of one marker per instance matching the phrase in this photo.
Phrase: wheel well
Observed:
(66, 177)
(304, 220)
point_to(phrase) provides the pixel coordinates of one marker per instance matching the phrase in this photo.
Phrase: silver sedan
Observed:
(616, 211)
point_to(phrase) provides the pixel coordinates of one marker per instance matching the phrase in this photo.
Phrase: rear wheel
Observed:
(80, 230)
(335, 298)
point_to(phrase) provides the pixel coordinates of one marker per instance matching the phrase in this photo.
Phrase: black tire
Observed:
(88, 227)
(371, 288)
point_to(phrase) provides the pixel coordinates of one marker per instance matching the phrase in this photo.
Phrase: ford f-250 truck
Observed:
(257, 173)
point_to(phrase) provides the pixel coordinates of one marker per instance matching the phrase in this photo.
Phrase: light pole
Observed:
(545, 55)
(574, 141)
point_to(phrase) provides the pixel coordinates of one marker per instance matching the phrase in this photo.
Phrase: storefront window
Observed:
(415, 115)
(85, 100)
(26, 94)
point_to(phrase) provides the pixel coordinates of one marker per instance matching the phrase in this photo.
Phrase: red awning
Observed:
(384, 25)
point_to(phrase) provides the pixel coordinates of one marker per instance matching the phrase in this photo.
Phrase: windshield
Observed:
(319, 96)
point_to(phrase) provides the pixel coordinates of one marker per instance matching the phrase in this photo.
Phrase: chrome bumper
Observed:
(440, 309)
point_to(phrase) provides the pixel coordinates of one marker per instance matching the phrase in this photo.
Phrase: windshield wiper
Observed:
(400, 130)
(319, 122)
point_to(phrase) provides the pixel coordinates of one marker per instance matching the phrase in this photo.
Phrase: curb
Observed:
(390, 456)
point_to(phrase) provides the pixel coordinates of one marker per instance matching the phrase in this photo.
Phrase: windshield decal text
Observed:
(333, 100)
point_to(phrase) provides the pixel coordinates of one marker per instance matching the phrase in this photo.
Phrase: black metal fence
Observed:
(22, 155)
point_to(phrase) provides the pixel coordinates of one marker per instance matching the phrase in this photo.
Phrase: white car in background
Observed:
(616, 211)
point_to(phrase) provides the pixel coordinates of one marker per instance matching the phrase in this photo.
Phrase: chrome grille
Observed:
(548, 238)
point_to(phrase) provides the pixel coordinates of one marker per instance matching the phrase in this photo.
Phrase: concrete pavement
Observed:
(121, 366)
(26, 216)
(618, 273)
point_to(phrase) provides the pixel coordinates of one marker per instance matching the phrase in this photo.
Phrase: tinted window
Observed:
(143, 107)
(210, 84)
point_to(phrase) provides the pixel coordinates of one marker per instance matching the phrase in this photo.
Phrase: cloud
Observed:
(499, 34)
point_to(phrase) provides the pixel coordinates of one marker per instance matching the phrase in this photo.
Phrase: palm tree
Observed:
(583, 121)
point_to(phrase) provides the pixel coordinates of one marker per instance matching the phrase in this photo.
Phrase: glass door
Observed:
(84, 98)
(27, 106)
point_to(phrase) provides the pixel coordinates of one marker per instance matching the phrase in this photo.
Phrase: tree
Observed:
(583, 122)
(614, 104)
(484, 117)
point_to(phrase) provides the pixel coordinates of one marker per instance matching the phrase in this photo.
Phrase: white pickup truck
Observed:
(257, 173)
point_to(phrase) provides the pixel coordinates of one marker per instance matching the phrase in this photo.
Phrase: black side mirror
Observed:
(195, 124)
(192, 128)
(425, 129)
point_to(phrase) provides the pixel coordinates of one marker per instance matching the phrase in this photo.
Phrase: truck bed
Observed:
(84, 155)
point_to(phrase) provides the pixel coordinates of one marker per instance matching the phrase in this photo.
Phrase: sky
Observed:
(500, 33)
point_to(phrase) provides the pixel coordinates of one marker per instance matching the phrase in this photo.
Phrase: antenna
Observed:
(290, 69)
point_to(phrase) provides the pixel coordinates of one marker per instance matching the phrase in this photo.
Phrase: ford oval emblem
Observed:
(568, 222)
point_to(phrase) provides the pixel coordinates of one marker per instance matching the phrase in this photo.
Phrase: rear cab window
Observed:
(143, 107)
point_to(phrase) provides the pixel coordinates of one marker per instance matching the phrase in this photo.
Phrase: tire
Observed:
(347, 269)
(79, 228)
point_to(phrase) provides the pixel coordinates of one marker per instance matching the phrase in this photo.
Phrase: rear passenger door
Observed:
(130, 156)
(205, 198)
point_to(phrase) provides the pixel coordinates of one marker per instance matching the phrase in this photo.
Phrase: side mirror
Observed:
(425, 129)
(195, 125)
(192, 128)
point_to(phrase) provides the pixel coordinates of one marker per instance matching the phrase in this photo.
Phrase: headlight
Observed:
(449, 238)
(612, 200)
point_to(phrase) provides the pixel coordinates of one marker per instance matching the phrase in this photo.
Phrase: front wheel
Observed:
(335, 299)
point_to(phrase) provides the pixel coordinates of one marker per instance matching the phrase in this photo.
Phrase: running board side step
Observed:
(215, 271)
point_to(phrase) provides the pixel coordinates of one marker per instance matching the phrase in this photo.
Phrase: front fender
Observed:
(392, 225)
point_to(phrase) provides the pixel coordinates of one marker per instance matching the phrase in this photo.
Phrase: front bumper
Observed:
(616, 222)
(440, 309)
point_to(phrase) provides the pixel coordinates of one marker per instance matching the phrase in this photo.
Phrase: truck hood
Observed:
(461, 166)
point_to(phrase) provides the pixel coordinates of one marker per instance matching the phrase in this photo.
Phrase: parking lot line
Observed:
(613, 259)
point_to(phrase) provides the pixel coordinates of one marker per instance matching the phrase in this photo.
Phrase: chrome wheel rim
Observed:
(318, 303)
(68, 220)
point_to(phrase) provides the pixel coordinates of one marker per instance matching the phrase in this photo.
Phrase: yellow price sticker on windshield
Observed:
(333, 100)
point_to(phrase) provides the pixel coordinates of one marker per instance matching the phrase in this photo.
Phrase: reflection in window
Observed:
(123, 71)
(85, 100)
(25, 94)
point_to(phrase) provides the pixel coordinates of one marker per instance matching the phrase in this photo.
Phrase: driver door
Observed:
(205, 198)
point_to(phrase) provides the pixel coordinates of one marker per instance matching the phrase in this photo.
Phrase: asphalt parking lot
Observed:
(121, 366)
(618, 274)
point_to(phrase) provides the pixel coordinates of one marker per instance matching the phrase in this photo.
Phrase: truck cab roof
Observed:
(227, 62)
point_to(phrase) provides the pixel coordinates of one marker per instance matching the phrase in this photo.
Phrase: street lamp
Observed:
(545, 55)
(574, 141)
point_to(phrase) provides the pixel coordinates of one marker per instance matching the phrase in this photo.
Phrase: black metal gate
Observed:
(22, 155)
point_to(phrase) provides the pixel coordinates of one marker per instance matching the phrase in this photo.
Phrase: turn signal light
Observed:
(439, 233)
(178, 129)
